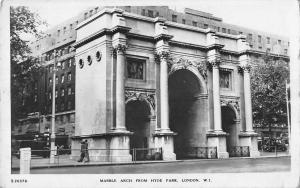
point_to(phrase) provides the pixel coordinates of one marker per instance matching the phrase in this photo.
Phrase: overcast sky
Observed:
(265, 15)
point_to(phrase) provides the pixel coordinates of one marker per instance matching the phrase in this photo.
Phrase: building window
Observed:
(71, 26)
(62, 78)
(260, 48)
(183, 21)
(63, 65)
(69, 76)
(250, 36)
(58, 33)
(56, 79)
(150, 13)
(279, 42)
(135, 68)
(56, 108)
(50, 95)
(228, 31)
(205, 26)
(62, 92)
(35, 85)
(62, 107)
(157, 14)
(85, 15)
(285, 51)
(69, 105)
(174, 18)
(251, 45)
(268, 40)
(56, 92)
(259, 38)
(35, 98)
(50, 81)
(223, 30)
(225, 79)
(70, 62)
(91, 13)
(144, 12)
(195, 24)
(65, 29)
(69, 90)
(240, 33)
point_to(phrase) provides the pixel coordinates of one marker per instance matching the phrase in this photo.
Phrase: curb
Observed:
(95, 164)
(144, 162)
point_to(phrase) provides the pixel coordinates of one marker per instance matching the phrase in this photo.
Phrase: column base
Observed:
(106, 147)
(164, 139)
(120, 147)
(250, 139)
(218, 139)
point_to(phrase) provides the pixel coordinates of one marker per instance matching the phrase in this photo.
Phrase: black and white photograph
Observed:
(154, 94)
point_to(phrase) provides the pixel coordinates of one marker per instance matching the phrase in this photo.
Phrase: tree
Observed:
(23, 23)
(268, 82)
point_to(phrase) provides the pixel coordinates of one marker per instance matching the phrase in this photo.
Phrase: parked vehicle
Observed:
(273, 144)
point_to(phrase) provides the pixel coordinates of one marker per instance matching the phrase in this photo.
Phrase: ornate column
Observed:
(215, 137)
(248, 137)
(247, 95)
(163, 136)
(164, 91)
(119, 137)
(120, 87)
(216, 96)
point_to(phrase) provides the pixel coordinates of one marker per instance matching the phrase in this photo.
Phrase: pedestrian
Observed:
(82, 151)
(86, 154)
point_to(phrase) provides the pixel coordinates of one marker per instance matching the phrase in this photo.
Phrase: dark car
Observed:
(273, 144)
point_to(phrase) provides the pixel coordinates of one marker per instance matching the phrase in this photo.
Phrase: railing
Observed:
(41, 158)
(199, 153)
(147, 154)
(239, 151)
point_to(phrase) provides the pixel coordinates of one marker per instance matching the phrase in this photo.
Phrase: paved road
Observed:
(279, 164)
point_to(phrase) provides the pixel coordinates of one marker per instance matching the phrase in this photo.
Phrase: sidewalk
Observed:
(65, 161)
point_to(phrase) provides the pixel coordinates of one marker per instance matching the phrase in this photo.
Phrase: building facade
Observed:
(144, 77)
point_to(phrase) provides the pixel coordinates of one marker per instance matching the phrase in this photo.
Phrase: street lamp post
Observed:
(52, 146)
(288, 113)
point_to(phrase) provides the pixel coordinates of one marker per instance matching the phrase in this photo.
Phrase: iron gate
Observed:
(239, 151)
(146, 154)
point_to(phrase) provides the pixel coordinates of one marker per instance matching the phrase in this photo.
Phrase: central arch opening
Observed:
(138, 122)
(187, 111)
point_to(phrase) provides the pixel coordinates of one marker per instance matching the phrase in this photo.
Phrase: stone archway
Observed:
(230, 126)
(188, 110)
(138, 115)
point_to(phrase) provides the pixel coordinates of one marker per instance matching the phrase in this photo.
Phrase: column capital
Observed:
(244, 68)
(162, 55)
(214, 63)
(120, 48)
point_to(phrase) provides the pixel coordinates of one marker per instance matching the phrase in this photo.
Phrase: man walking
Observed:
(82, 151)
(86, 154)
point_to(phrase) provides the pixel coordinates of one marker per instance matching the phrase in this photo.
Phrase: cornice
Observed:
(120, 29)
(92, 37)
(163, 36)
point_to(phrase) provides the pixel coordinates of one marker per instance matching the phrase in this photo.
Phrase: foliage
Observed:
(23, 23)
(268, 84)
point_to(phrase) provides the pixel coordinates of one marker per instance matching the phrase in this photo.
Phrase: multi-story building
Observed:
(38, 107)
